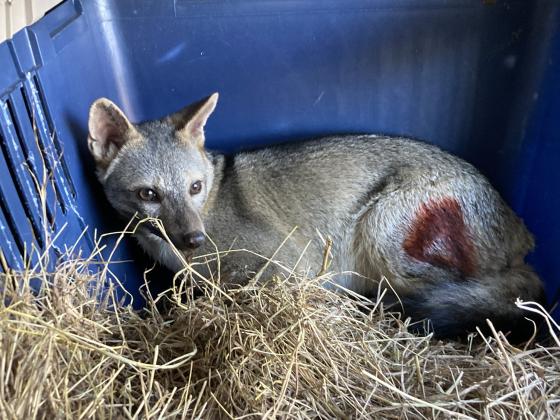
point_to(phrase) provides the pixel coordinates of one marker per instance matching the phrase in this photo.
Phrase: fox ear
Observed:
(190, 121)
(108, 131)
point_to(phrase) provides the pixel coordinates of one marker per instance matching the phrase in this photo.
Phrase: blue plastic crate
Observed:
(479, 78)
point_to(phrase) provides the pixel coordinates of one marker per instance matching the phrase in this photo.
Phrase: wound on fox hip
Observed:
(439, 236)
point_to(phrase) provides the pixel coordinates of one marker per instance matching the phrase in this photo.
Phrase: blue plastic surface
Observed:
(479, 78)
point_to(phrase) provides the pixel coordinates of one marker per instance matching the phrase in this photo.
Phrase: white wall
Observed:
(15, 14)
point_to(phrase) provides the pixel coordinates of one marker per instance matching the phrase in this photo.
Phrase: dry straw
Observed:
(287, 347)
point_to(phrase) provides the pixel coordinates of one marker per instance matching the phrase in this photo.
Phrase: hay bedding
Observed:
(290, 349)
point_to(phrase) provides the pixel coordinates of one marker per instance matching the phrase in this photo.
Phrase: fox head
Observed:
(157, 169)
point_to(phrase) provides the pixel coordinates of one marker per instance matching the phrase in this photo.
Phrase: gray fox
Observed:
(427, 221)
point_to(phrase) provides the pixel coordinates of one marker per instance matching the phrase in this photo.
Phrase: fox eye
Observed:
(147, 194)
(196, 187)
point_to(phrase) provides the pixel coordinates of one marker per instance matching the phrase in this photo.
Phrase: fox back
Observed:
(428, 222)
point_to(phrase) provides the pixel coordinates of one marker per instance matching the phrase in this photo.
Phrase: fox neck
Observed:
(221, 164)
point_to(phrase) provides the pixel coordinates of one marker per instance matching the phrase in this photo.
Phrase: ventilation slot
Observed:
(11, 224)
(19, 136)
(53, 137)
(32, 118)
(13, 170)
(8, 217)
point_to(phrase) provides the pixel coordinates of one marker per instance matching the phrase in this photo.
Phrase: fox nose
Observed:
(194, 239)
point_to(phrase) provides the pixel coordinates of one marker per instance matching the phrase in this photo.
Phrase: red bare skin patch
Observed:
(438, 236)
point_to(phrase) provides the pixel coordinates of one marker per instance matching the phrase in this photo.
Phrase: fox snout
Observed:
(190, 241)
(183, 241)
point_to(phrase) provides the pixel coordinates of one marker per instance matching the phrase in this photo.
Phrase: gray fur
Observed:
(364, 192)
